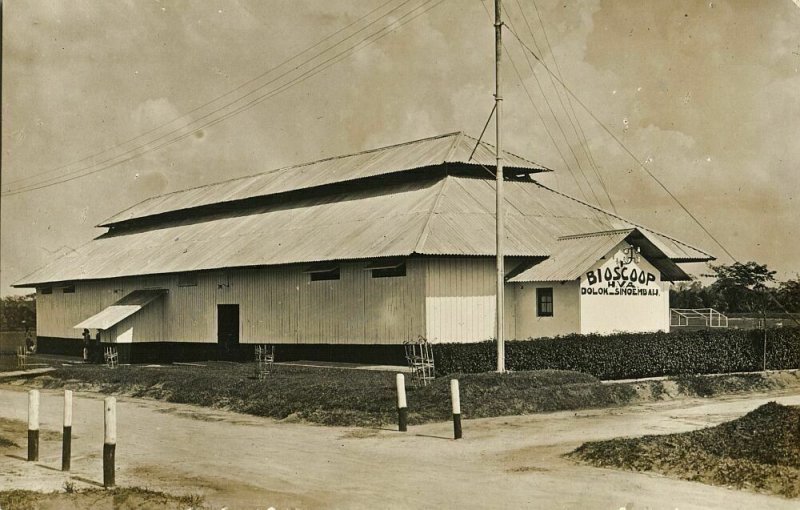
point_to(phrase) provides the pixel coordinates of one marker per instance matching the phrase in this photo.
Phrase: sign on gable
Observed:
(624, 274)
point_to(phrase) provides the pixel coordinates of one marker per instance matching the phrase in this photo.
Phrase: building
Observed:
(351, 256)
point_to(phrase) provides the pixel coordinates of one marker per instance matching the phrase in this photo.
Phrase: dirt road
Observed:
(248, 462)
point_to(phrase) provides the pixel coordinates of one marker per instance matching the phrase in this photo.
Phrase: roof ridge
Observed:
(494, 149)
(617, 216)
(599, 233)
(283, 168)
(423, 237)
(454, 146)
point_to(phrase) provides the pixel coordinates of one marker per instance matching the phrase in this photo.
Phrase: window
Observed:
(187, 280)
(544, 302)
(318, 276)
(46, 290)
(69, 289)
(322, 272)
(389, 272)
(387, 268)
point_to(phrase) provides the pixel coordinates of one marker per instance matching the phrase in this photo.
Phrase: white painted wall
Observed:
(566, 310)
(442, 299)
(611, 302)
(459, 299)
(276, 305)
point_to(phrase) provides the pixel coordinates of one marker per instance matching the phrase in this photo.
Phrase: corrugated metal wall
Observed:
(143, 326)
(56, 313)
(442, 299)
(460, 299)
(277, 305)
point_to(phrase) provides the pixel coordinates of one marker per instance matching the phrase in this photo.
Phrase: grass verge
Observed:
(759, 451)
(117, 498)
(342, 397)
(331, 396)
(708, 386)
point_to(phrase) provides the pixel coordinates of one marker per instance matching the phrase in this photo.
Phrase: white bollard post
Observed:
(455, 398)
(33, 425)
(110, 440)
(402, 405)
(66, 442)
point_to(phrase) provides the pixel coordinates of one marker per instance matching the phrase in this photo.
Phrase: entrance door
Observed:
(228, 330)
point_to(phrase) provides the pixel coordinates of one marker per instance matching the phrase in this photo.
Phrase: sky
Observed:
(705, 95)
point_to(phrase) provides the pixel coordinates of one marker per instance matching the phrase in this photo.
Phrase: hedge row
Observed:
(632, 355)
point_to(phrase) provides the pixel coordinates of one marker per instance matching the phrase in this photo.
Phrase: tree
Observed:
(742, 287)
(18, 312)
(789, 294)
(688, 295)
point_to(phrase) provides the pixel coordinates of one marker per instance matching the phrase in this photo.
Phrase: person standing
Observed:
(29, 345)
(87, 337)
(96, 350)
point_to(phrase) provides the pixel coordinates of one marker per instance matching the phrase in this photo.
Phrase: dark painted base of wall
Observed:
(62, 346)
(168, 352)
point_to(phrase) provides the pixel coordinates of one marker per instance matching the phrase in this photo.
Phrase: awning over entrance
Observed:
(122, 309)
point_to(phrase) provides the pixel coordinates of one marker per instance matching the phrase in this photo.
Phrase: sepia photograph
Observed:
(400, 254)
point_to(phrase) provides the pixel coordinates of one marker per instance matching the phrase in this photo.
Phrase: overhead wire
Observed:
(538, 112)
(316, 69)
(207, 103)
(580, 135)
(280, 88)
(483, 131)
(506, 200)
(624, 147)
(541, 89)
(646, 170)
(592, 191)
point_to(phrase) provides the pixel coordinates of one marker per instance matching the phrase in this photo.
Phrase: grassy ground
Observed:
(705, 386)
(8, 362)
(117, 499)
(331, 396)
(7, 443)
(759, 451)
(19, 429)
(342, 397)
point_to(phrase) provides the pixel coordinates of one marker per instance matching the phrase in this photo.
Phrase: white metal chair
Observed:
(265, 357)
(419, 356)
(22, 357)
(111, 357)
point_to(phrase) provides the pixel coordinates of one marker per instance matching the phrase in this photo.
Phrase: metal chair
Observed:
(265, 357)
(111, 357)
(22, 357)
(419, 356)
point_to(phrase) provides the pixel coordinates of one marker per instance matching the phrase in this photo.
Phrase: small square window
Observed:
(69, 289)
(187, 280)
(544, 302)
(46, 290)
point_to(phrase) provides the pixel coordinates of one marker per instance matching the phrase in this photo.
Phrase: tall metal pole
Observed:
(498, 101)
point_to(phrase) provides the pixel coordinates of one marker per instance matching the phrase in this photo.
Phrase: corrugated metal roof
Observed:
(575, 254)
(536, 217)
(121, 310)
(428, 152)
(448, 216)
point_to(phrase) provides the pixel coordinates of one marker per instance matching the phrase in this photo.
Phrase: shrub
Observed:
(632, 355)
